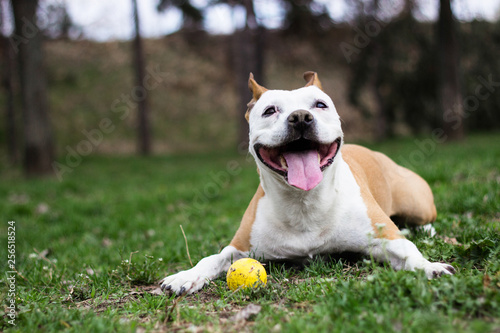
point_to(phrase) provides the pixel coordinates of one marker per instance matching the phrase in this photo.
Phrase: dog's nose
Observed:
(300, 119)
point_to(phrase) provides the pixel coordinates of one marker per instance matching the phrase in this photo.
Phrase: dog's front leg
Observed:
(404, 255)
(209, 268)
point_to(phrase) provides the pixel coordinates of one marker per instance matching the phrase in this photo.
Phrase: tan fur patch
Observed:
(241, 239)
(375, 190)
(257, 91)
(312, 79)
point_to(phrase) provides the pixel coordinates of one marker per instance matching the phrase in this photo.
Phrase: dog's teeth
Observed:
(283, 163)
(319, 159)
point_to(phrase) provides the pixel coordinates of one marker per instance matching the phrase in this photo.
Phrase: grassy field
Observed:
(90, 249)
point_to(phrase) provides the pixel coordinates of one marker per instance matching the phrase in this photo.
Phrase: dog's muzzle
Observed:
(301, 123)
(302, 159)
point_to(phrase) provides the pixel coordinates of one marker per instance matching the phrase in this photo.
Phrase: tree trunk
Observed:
(257, 43)
(144, 127)
(9, 65)
(27, 42)
(8, 59)
(449, 87)
(248, 52)
(243, 60)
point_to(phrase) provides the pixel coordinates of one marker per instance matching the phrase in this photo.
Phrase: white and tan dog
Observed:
(318, 196)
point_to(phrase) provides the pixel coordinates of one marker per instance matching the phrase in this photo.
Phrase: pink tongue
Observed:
(303, 169)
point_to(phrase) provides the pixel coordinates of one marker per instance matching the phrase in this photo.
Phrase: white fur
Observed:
(291, 223)
(209, 268)
(404, 255)
(271, 131)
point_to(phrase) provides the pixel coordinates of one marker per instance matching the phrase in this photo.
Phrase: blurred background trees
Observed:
(38, 149)
(391, 72)
(450, 94)
(143, 122)
(192, 17)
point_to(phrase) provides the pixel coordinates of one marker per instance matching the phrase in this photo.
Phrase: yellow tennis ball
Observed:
(246, 273)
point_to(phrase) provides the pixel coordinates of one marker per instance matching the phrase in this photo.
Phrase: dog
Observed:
(318, 195)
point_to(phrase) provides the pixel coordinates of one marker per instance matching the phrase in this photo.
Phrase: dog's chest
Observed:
(336, 221)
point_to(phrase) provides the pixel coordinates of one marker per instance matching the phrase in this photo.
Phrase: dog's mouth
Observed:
(301, 161)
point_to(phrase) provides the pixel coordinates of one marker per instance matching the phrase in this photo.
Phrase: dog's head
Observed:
(295, 134)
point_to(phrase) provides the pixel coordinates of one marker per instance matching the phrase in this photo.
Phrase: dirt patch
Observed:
(230, 317)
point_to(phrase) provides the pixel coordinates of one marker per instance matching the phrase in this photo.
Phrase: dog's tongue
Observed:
(304, 171)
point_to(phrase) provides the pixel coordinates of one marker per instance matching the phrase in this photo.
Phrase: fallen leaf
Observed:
(246, 312)
(156, 291)
(106, 242)
(42, 208)
(486, 281)
(452, 241)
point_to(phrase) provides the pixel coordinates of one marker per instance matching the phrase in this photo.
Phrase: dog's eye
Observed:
(320, 105)
(269, 111)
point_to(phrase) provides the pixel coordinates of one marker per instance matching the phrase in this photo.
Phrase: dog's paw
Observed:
(183, 283)
(436, 269)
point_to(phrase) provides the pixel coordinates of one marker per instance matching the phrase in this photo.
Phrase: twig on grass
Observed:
(169, 311)
(130, 260)
(25, 279)
(128, 268)
(176, 300)
(42, 255)
(187, 247)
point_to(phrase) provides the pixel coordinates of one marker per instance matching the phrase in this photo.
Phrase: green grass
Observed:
(110, 230)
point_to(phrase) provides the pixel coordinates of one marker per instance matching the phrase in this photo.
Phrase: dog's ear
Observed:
(257, 91)
(312, 80)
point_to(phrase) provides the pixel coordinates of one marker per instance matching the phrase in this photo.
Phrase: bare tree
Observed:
(247, 48)
(57, 22)
(449, 86)
(27, 42)
(306, 18)
(8, 67)
(192, 17)
(144, 127)
(8, 60)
